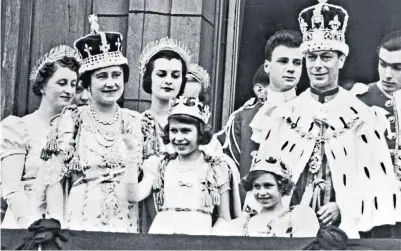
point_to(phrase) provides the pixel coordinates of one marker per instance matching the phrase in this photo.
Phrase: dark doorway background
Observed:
(368, 21)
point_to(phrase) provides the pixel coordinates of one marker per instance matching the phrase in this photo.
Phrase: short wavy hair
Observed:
(167, 54)
(205, 134)
(86, 76)
(48, 70)
(285, 185)
(287, 38)
(391, 41)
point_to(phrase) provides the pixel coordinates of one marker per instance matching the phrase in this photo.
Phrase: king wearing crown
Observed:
(330, 139)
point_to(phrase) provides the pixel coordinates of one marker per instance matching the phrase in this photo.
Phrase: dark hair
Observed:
(261, 77)
(287, 38)
(167, 54)
(285, 185)
(48, 70)
(204, 94)
(86, 76)
(205, 134)
(391, 41)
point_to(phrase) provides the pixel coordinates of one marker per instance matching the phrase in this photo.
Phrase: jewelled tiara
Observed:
(56, 53)
(199, 74)
(163, 44)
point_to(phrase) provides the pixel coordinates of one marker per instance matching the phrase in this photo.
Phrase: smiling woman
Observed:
(95, 150)
(55, 77)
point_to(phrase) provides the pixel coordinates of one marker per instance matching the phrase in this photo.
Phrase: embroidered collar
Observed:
(274, 97)
(324, 94)
(380, 86)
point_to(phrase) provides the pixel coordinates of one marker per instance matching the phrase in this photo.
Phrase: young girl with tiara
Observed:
(189, 184)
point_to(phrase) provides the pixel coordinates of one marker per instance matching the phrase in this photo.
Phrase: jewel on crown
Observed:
(56, 53)
(200, 74)
(190, 106)
(164, 43)
(323, 22)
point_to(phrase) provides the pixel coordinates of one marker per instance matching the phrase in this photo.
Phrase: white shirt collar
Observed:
(274, 97)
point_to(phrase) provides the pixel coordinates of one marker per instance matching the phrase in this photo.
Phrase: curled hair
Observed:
(285, 185)
(391, 41)
(48, 70)
(261, 77)
(287, 38)
(86, 76)
(205, 134)
(167, 54)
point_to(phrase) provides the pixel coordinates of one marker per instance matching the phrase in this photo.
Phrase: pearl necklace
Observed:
(105, 122)
(109, 136)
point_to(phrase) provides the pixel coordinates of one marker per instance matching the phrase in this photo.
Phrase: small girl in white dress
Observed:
(189, 185)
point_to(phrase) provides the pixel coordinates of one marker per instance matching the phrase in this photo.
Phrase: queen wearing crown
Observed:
(54, 79)
(268, 181)
(95, 150)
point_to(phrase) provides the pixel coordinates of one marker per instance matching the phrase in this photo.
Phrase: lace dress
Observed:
(24, 136)
(99, 166)
(187, 195)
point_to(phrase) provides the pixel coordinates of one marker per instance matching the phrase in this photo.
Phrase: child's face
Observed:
(183, 137)
(266, 191)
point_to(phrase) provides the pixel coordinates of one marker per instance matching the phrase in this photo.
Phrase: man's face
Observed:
(323, 68)
(285, 68)
(390, 70)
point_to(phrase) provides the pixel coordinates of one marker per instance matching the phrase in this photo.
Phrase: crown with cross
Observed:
(190, 106)
(100, 49)
(323, 27)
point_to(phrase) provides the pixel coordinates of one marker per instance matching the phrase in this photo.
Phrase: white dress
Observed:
(189, 196)
(24, 136)
(299, 221)
(98, 170)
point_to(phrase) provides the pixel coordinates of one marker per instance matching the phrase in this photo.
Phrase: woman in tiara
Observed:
(268, 181)
(98, 147)
(198, 84)
(163, 67)
(188, 184)
(54, 80)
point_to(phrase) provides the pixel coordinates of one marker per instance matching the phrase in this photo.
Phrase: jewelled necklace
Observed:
(105, 122)
(109, 135)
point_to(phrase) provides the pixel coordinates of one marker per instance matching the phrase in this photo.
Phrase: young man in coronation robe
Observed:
(330, 138)
(274, 83)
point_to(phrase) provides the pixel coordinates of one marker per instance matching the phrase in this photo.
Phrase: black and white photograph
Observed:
(200, 125)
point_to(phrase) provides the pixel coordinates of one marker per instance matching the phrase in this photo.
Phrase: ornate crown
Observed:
(200, 74)
(164, 44)
(323, 27)
(190, 106)
(56, 53)
(270, 165)
(100, 49)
